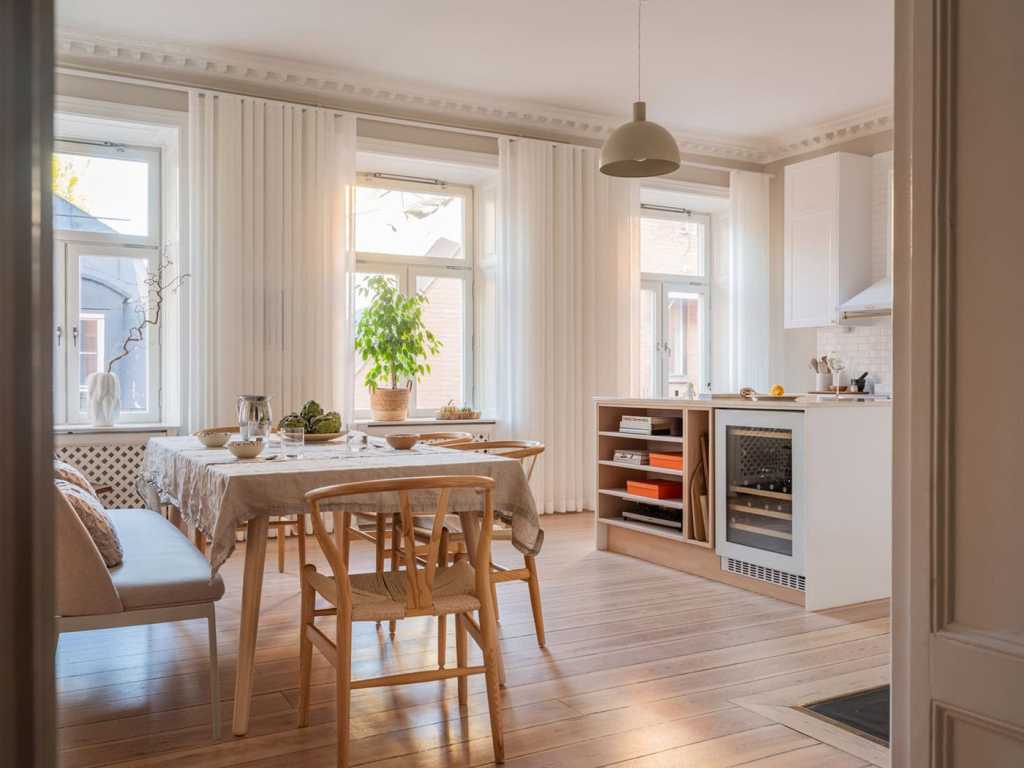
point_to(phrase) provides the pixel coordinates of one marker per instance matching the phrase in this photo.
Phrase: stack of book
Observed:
(640, 458)
(645, 425)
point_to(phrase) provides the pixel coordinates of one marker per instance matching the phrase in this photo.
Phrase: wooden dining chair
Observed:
(280, 525)
(527, 452)
(436, 589)
(373, 528)
(444, 438)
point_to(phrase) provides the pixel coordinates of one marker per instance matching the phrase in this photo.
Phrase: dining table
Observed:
(216, 493)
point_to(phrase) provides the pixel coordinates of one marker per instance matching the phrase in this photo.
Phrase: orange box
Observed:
(655, 489)
(667, 460)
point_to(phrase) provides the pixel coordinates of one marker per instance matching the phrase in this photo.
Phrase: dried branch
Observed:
(149, 313)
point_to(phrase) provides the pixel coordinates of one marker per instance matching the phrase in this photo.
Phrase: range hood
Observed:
(870, 304)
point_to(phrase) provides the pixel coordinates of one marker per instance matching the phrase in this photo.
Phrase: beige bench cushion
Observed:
(161, 567)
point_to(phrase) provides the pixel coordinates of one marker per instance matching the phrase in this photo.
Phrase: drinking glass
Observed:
(356, 441)
(292, 441)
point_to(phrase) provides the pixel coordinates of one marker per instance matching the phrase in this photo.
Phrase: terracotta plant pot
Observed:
(389, 404)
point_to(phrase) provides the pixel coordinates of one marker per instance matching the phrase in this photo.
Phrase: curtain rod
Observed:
(666, 209)
(185, 87)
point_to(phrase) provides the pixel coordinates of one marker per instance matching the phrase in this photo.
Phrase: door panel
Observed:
(810, 248)
(958, 663)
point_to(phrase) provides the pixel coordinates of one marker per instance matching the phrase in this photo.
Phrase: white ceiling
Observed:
(745, 70)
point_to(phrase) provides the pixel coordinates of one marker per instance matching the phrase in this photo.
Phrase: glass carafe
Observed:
(254, 417)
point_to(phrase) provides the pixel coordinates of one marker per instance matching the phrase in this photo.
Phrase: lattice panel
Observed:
(113, 464)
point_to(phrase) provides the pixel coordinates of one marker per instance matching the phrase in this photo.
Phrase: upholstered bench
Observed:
(163, 577)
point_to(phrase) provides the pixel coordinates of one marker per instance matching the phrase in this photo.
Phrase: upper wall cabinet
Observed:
(828, 236)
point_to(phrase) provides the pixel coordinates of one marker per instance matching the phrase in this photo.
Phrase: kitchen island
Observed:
(790, 498)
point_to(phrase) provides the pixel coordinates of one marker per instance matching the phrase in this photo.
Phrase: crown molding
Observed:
(866, 123)
(195, 66)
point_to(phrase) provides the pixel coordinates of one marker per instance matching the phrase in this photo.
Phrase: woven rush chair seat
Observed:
(384, 596)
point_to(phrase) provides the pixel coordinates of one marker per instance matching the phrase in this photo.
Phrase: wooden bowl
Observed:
(246, 449)
(402, 441)
(213, 439)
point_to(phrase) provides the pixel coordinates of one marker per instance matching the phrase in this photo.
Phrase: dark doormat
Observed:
(865, 712)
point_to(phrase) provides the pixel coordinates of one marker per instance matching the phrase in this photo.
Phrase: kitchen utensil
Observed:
(402, 441)
(860, 382)
(826, 366)
(813, 365)
(246, 449)
(705, 509)
(254, 417)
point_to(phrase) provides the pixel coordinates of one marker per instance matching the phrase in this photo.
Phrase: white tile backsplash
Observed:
(869, 348)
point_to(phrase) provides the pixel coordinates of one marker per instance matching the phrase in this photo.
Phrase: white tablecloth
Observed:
(216, 492)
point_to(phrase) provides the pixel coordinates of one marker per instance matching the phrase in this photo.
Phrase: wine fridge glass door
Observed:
(759, 482)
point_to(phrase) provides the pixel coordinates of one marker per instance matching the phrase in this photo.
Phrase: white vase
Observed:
(104, 398)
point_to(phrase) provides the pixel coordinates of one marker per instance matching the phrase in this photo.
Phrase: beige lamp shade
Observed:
(639, 148)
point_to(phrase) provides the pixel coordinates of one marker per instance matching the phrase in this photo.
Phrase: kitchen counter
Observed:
(802, 403)
(822, 540)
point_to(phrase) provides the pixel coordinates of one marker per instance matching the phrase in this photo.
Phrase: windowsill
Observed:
(425, 421)
(88, 429)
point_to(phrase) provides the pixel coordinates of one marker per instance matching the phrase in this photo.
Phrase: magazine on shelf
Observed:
(640, 458)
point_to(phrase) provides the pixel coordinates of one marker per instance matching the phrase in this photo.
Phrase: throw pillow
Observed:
(96, 521)
(72, 474)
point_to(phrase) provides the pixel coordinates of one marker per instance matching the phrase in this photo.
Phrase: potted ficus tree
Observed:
(393, 339)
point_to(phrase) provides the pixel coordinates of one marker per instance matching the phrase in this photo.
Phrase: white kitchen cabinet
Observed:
(827, 236)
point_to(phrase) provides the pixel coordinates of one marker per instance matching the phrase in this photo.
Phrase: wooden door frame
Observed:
(27, 724)
(933, 657)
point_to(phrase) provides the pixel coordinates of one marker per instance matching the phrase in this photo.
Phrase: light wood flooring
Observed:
(644, 667)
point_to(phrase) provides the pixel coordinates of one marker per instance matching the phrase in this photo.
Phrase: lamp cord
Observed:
(639, 47)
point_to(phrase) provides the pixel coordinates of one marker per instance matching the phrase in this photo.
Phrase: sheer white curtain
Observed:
(567, 292)
(270, 262)
(748, 280)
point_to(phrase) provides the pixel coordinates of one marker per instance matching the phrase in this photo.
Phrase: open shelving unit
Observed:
(689, 423)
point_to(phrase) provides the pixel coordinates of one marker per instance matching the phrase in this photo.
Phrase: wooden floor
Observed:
(643, 668)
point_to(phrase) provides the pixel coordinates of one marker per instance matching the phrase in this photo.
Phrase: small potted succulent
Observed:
(393, 339)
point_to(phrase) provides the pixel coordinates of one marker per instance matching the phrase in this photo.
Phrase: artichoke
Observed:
(292, 420)
(310, 410)
(326, 423)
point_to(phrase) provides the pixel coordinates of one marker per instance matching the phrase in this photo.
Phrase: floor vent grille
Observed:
(767, 575)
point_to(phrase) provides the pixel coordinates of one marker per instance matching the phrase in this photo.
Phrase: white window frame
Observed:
(661, 283)
(407, 268)
(69, 245)
(148, 155)
(67, 376)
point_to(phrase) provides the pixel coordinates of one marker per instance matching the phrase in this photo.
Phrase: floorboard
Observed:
(643, 668)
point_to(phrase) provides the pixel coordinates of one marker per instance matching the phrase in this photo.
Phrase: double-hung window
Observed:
(674, 334)
(419, 233)
(106, 222)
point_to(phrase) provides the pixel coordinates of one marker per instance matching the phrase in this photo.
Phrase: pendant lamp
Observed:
(639, 148)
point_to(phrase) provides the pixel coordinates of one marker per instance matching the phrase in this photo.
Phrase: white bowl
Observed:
(246, 449)
(214, 439)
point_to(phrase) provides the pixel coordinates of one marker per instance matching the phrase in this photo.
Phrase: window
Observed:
(419, 233)
(674, 336)
(106, 219)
